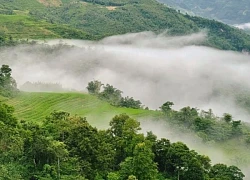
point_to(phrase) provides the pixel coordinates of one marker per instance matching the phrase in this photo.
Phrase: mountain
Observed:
(227, 11)
(97, 19)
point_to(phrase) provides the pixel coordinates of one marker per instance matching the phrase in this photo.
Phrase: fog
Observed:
(149, 67)
(245, 26)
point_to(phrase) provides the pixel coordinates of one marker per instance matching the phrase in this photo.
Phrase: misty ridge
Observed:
(149, 67)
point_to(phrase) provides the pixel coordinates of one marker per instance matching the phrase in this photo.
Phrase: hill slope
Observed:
(111, 17)
(36, 106)
(228, 11)
(23, 26)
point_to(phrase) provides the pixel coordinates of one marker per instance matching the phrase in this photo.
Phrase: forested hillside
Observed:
(228, 11)
(62, 146)
(98, 19)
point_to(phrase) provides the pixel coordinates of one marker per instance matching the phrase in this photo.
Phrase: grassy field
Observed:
(36, 106)
(27, 27)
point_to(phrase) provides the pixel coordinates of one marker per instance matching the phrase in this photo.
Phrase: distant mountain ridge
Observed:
(96, 19)
(227, 11)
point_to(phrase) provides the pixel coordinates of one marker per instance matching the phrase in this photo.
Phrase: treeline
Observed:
(68, 147)
(206, 125)
(113, 2)
(112, 95)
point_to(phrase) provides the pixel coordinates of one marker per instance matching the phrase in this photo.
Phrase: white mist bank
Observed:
(151, 68)
(245, 26)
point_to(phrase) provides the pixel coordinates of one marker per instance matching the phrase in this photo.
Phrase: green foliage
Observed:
(222, 36)
(113, 176)
(166, 107)
(205, 124)
(227, 117)
(129, 102)
(112, 95)
(101, 18)
(6, 115)
(8, 86)
(221, 171)
(68, 147)
(141, 165)
(94, 87)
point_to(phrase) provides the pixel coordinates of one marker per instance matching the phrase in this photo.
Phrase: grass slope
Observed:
(36, 106)
(23, 26)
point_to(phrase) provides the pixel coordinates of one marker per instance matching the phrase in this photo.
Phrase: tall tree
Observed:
(141, 165)
(8, 86)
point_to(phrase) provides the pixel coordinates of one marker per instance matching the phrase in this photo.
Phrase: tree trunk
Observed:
(58, 168)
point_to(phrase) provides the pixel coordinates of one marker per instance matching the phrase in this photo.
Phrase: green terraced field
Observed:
(36, 106)
(27, 27)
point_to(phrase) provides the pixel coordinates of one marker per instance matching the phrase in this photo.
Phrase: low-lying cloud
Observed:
(245, 26)
(149, 67)
(152, 68)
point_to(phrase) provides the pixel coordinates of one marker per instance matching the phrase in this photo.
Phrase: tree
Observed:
(236, 128)
(166, 107)
(111, 94)
(161, 152)
(186, 164)
(129, 102)
(58, 124)
(83, 142)
(94, 87)
(124, 135)
(131, 177)
(141, 165)
(8, 86)
(227, 117)
(113, 176)
(187, 115)
(6, 115)
(222, 171)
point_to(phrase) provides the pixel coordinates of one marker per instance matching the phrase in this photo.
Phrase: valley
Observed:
(124, 90)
